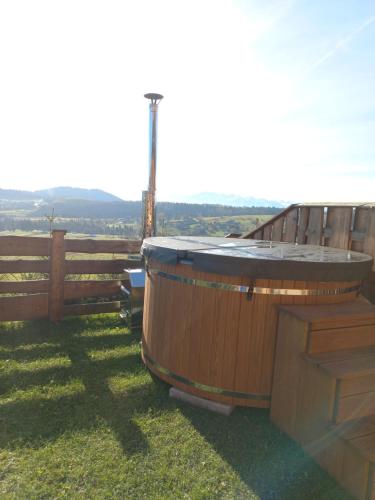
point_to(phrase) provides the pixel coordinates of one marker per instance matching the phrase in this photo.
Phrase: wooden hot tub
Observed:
(209, 322)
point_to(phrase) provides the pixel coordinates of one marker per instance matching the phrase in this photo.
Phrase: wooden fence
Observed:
(347, 226)
(49, 297)
(350, 226)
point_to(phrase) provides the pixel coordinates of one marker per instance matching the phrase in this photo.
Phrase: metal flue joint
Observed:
(148, 197)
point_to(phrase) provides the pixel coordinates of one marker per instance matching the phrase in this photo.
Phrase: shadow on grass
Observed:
(265, 459)
(127, 364)
(34, 420)
(14, 334)
(270, 463)
(45, 350)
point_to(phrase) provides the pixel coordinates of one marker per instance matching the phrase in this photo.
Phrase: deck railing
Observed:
(57, 290)
(349, 226)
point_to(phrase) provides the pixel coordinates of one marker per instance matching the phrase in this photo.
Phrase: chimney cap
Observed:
(154, 97)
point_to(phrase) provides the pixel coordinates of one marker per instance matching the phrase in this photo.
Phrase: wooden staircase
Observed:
(324, 388)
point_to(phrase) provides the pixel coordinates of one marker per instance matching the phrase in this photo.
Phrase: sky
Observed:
(266, 98)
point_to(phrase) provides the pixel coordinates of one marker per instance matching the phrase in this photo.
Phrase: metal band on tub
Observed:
(203, 387)
(250, 290)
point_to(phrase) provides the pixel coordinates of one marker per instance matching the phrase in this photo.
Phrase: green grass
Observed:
(80, 417)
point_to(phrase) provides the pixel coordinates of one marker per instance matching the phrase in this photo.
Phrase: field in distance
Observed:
(110, 228)
(88, 219)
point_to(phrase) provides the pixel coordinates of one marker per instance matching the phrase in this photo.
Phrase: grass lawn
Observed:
(80, 417)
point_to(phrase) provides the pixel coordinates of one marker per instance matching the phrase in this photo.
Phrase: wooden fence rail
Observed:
(51, 257)
(347, 226)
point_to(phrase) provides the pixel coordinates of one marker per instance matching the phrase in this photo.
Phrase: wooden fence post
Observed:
(56, 276)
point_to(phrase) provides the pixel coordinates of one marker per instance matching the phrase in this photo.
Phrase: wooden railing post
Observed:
(56, 276)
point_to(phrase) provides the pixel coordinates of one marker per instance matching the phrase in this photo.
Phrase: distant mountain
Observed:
(17, 195)
(72, 202)
(62, 193)
(90, 209)
(234, 200)
(58, 193)
(65, 192)
(129, 210)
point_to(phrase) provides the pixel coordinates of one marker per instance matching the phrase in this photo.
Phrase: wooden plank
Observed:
(370, 495)
(222, 409)
(228, 356)
(357, 366)
(368, 287)
(359, 428)
(258, 235)
(369, 241)
(291, 341)
(56, 276)
(339, 222)
(86, 309)
(80, 289)
(354, 406)
(361, 220)
(357, 385)
(366, 446)
(327, 315)
(334, 204)
(354, 474)
(291, 220)
(327, 233)
(24, 307)
(245, 343)
(371, 278)
(277, 229)
(103, 246)
(268, 315)
(302, 225)
(315, 226)
(24, 266)
(270, 222)
(24, 245)
(340, 355)
(29, 286)
(315, 404)
(267, 231)
(358, 237)
(330, 455)
(347, 314)
(177, 347)
(343, 338)
(104, 266)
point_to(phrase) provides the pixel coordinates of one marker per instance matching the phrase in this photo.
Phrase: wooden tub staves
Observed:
(210, 320)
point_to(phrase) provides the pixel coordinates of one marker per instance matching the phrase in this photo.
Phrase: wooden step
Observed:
(348, 454)
(316, 395)
(327, 316)
(354, 373)
(333, 339)
(336, 326)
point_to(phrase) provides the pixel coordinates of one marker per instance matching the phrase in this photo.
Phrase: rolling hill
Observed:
(58, 193)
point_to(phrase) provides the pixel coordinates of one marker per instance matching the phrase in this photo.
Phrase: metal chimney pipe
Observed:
(148, 197)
